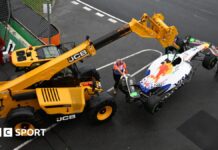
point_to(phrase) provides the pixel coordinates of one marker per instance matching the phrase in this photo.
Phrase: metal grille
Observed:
(50, 94)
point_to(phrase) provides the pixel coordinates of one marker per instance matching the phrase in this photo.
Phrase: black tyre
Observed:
(153, 104)
(209, 61)
(102, 108)
(22, 118)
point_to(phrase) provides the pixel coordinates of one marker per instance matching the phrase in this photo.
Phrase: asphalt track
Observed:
(191, 17)
(186, 122)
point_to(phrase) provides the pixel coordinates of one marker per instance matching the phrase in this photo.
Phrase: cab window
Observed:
(48, 52)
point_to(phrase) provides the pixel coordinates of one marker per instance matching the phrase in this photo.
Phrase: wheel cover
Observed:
(104, 113)
(24, 125)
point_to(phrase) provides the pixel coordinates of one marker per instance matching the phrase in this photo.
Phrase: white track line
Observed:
(129, 56)
(134, 74)
(74, 2)
(112, 20)
(100, 68)
(87, 8)
(99, 14)
(138, 71)
(103, 12)
(29, 141)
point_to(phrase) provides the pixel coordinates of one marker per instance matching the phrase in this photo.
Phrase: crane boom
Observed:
(146, 27)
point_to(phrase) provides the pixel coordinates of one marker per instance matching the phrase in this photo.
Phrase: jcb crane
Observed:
(37, 90)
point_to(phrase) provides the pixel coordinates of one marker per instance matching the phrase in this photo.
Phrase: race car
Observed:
(167, 74)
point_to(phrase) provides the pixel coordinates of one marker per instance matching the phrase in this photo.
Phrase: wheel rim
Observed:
(104, 113)
(24, 125)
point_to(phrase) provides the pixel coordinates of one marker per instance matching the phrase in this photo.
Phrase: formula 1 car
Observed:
(168, 73)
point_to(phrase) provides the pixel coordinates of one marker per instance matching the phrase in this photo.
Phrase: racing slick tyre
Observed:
(102, 108)
(23, 118)
(153, 104)
(209, 61)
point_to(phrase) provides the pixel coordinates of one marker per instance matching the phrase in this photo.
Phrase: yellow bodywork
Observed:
(32, 59)
(66, 100)
(7, 103)
(61, 100)
(154, 27)
(42, 73)
(147, 27)
(29, 60)
(49, 69)
(71, 99)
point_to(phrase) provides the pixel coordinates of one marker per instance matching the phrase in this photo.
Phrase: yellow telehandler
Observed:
(43, 91)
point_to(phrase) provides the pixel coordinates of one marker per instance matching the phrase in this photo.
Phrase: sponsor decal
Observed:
(77, 56)
(164, 69)
(65, 118)
(6, 132)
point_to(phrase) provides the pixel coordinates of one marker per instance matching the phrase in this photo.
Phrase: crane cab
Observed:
(29, 58)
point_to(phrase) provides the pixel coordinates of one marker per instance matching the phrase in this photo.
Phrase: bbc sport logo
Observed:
(8, 132)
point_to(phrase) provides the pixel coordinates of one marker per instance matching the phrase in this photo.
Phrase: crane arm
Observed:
(146, 27)
(49, 69)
